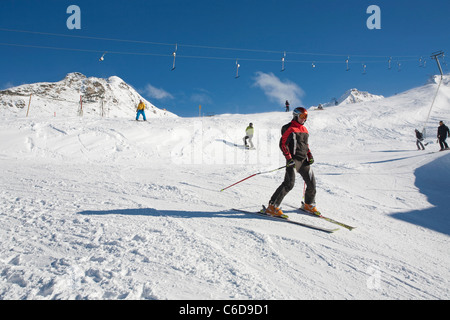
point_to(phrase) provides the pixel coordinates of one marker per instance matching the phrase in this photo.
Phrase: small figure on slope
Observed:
(295, 148)
(249, 135)
(140, 110)
(442, 134)
(419, 140)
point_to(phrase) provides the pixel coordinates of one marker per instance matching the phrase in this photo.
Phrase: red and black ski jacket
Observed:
(294, 141)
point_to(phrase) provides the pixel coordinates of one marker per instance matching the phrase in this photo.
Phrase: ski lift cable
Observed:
(110, 52)
(86, 37)
(203, 46)
(85, 50)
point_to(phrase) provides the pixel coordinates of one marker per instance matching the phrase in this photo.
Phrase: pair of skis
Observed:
(319, 215)
(286, 219)
(310, 226)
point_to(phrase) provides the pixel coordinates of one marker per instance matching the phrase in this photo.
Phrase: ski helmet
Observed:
(300, 113)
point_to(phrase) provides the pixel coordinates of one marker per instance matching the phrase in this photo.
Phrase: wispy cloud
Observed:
(6, 86)
(201, 96)
(156, 93)
(277, 90)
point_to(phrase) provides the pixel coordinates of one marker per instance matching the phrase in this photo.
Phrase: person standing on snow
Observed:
(287, 106)
(249, 135)
(442, 134)
(295, 148)
(419, 137)
(140, 110)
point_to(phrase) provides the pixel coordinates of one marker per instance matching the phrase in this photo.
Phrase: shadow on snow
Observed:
(433, 180)
(231, 144)
(151, 212)
(419, 154)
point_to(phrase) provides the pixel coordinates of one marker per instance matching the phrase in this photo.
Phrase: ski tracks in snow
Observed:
(96, 209)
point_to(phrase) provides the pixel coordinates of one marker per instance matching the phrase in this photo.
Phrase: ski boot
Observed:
(310, 208)
(273, 211)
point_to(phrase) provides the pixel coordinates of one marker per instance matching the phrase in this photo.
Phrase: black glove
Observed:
(290, 163)
(310, 158)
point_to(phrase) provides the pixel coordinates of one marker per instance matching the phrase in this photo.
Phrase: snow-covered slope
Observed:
(104, 208)
(110, 97)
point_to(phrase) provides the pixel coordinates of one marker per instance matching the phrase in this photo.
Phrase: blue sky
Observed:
(211, 35)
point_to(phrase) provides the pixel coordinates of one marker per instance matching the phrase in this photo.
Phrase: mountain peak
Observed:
(75, 75)
(110, 97)
(351, 96)
(354, 96)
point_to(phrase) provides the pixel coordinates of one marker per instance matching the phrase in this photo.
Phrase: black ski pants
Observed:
(304, 169)
(443, 143)
(419, 145)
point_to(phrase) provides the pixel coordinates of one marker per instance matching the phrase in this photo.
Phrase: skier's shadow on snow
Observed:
(396, 159)
(391, 151)
(231, 144)
(433, 180)
(151, 212)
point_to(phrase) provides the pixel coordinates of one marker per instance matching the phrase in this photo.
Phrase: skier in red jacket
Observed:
(294, 145)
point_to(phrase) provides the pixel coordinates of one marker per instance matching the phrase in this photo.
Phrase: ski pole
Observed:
(253, 176)
(304, 189)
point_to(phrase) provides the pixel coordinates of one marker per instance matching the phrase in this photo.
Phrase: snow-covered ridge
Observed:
(352, 96)
(111, 97)
(437, 79)
(355, 96)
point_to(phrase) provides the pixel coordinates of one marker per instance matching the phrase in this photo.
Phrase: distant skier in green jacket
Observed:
(249, 135)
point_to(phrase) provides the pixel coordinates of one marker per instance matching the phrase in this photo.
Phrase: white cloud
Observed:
(279, 91)
(201, 96)
(156, 93)
(7, 86)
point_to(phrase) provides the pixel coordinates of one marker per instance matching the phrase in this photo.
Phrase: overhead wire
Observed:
(188, 56)
(281, 52)
(83, 50)
(86, 37)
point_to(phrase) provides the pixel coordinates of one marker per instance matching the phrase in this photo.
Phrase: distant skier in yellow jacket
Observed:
(140, 110)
